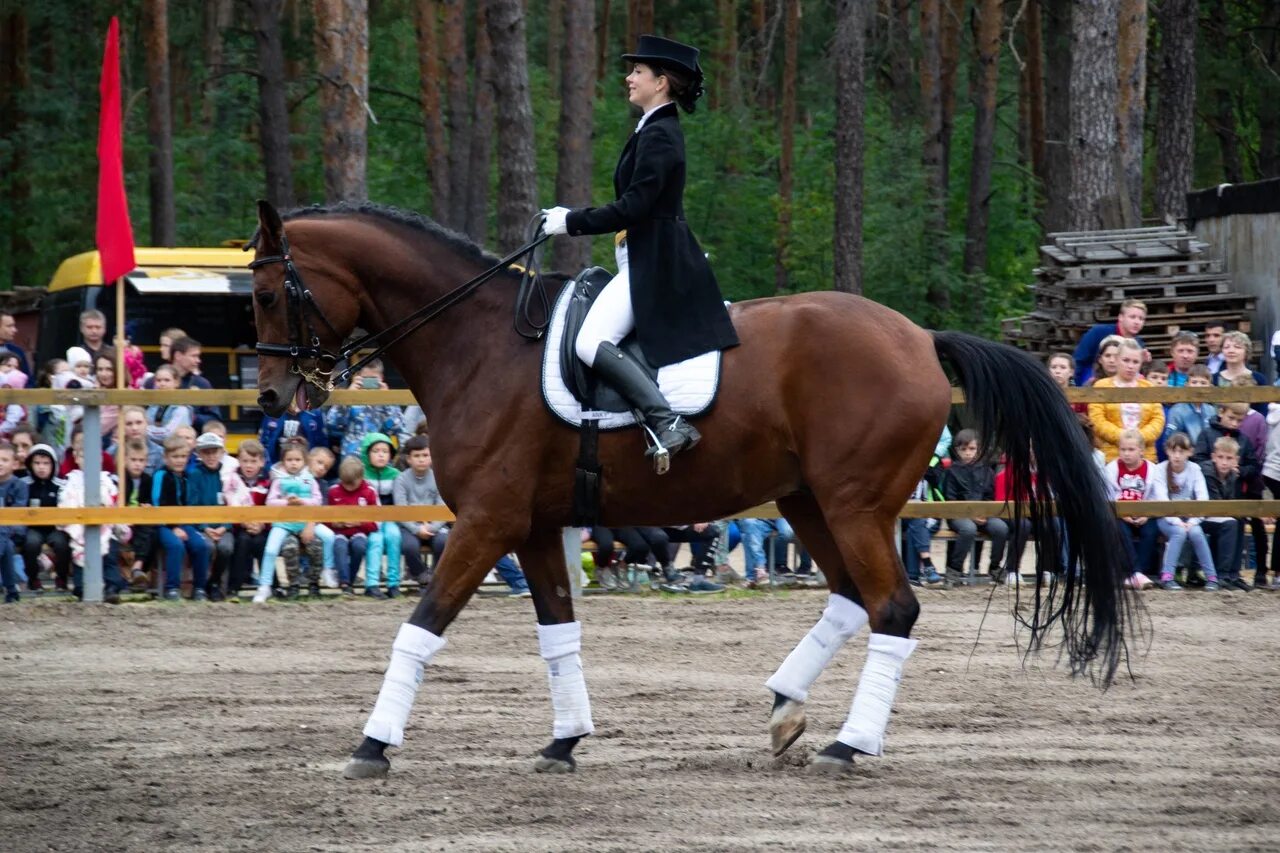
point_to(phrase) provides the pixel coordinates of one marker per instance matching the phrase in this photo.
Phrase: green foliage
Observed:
(732, 196)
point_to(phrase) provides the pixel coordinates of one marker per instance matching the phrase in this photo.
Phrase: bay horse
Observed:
(831, 407)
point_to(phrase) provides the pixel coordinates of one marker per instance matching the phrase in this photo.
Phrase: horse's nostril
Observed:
(267, 398)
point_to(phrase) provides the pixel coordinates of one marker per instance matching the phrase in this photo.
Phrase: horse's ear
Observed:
(269, 223)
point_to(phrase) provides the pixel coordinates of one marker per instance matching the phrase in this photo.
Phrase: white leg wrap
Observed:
(864, 729)
(560, 645)
(840, 621)
(412, 650)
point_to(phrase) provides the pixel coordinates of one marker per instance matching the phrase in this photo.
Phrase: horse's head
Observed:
(301, 309)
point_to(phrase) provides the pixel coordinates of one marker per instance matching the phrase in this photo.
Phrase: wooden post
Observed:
(573, 559)
(92, 580)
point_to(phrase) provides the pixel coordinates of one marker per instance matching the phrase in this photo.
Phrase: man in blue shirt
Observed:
(1185, 349)
(1133, 315)
(9, 331)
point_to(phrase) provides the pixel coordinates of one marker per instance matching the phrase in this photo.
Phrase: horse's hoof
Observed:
(786, 725)
(554, 765)
(827, 765)
(366, 768)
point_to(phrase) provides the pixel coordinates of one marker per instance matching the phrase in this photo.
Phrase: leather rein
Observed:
(301, 306)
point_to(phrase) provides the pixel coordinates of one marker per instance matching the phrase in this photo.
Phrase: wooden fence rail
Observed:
(400, 397)
(169, 515)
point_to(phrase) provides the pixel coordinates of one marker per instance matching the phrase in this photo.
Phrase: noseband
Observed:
(301, 306)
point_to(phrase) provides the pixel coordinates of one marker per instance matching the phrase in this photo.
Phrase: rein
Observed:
(300, 304)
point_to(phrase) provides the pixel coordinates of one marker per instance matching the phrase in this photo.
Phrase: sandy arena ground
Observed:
(224, 727)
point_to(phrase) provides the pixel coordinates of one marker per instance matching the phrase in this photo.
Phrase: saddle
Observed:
(578, 377)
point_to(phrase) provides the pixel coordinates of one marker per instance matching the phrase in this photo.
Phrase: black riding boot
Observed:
(671, 432)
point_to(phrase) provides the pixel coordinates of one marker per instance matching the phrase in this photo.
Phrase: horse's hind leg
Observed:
(865, 539)
(559, 641)
(843, 617)
(471, 554)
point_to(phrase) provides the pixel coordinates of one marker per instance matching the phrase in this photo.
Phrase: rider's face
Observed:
(645, 89)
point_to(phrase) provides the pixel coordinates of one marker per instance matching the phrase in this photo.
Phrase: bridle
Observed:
(301, 306)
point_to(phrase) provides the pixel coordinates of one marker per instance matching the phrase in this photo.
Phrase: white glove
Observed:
(555, 223)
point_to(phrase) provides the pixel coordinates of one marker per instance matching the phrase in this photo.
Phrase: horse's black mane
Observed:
(459, 243)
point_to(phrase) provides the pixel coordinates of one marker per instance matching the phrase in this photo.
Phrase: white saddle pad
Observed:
(689, 385)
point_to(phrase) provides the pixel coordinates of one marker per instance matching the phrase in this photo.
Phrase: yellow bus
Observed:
(206, 292)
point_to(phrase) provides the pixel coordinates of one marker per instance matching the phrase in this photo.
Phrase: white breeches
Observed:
(411, 651)
(610, 318)
(559, 645)
(841, 620)
(869, 716)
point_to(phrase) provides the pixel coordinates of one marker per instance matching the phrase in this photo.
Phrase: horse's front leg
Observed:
(473, 550)
(559, 641)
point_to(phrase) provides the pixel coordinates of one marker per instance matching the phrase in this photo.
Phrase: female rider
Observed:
(664, 290)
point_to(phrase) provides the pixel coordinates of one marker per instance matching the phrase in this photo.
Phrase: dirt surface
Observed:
(224, 727)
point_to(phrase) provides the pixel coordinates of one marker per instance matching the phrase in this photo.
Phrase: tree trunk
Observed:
(577, 108)
(935, 189)
(1035, 89)
(1057, 119)
(1269, 106)
(725, 90)
(1175, 106)
(1224, 111)
(902, 93)
(517, 176)
(987, 78)
(786, 162)
(273, 110)
(15, 181)
(342, 51)
(950, 28)
(428, 16)
(603, 59)
(1093, 142)
(296, 69)
(556, 42)
(481, 161)
(639, 21)
(850, 49)
(218, 16)
(457, 114)
(164, 216)
(1131, 50)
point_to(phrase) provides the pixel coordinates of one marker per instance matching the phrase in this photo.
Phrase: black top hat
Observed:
(668, 53)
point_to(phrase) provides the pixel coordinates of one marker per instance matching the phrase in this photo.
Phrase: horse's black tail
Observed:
(1023, 414)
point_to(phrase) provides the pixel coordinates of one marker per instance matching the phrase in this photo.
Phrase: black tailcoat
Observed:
(679, 310)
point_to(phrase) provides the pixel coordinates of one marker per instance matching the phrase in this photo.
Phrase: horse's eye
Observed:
(266, 298)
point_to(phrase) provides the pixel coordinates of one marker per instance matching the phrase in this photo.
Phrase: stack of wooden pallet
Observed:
(1086, 275)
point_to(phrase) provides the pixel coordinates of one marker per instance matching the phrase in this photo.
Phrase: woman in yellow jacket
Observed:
(1111, 419)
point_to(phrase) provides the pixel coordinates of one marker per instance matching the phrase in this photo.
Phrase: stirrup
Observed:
(661, 456)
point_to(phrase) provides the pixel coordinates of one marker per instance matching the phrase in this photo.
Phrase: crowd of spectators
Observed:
(361, 455)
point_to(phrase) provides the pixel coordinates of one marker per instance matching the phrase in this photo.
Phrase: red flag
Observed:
(114, 232)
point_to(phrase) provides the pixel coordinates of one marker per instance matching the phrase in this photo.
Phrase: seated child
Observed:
(13, 493)
(295, 487)
(1222, 481)
(251, 537)
(42, 490)
(379, 473)
(320, 462)
(1192, 418)
(358, 541)
(206, 487)
(72, 494)
(169, 487)
(138, 487)
(972, 478)
(1177, 480)
(416, 486)
(1130, 477)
